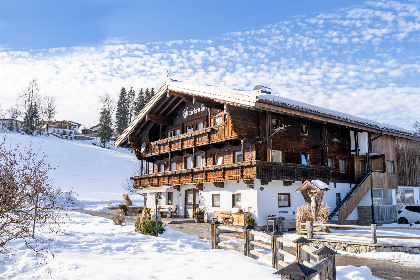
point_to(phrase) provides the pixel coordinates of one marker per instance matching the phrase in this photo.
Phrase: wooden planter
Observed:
(199, 218)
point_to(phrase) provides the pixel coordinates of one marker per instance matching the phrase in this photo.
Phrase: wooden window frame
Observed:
(307, 129)
(198, 124)
(212, 199)
(201, 161)
(392, 166)
(160, 165)
(344, 165)
(172, 165)
(169, 132)
(233, 200)
(288, 200)
(185, 162)
(187, 126)
(178, 130)
(167, 198)
(278, 123)
(235, 156)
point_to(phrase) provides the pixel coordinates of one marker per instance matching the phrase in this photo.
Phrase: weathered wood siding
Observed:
(408, 162)
(384, 145)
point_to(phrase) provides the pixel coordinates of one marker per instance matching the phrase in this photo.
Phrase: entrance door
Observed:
(191, 202)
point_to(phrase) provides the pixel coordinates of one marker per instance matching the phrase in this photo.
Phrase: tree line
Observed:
(128, 106)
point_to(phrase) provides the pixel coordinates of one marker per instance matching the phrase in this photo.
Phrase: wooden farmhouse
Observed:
(226, 150)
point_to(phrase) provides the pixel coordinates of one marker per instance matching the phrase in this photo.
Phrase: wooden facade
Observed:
(188, 136)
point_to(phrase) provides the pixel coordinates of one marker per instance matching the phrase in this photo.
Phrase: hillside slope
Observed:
(93, 173)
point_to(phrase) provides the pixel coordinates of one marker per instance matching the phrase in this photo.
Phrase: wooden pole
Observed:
(309, 230)
(373, 230)
(274, 252)
(246, 242)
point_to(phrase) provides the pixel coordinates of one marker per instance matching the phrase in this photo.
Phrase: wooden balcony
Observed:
(234, 172)
(190, 140)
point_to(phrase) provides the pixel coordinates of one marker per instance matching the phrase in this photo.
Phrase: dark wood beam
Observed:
(159, 119)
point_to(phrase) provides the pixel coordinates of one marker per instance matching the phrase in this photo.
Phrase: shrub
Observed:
(200, 211)
(148, 227)
(117, 217)
(124, 208)
(250, 220)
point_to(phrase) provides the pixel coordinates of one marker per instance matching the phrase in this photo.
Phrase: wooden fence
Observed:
(312, 229)
(324, 266)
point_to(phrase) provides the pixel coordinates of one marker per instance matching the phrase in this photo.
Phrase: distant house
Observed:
(63, 129)
(95, 129)
(86, 131)
(11, 124)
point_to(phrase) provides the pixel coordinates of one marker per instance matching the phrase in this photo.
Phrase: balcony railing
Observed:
(192, 139)
(234, 172)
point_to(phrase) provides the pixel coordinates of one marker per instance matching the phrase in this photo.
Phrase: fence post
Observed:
(309, 229)
(250, 246)
(373, 230)
(274, 251)
(246, 242)
(215, 239)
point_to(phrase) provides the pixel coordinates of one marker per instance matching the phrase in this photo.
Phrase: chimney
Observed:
(262, 89)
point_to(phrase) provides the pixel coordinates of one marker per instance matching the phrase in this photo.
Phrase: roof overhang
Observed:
(154, 189)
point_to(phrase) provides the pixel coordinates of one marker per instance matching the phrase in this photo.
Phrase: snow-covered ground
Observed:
(94, 248)
(95, 174)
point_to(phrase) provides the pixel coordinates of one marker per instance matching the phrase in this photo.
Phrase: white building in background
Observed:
(63, 129)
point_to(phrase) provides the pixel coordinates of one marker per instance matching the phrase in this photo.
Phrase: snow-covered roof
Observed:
(256, 100)
(319, 184)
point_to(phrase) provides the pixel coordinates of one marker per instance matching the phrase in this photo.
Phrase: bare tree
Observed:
(14, 112)
(416, 126)
(49, 109)
(28, 200)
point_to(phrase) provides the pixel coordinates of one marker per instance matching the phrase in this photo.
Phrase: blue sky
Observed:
(360, 58)
(48, 24)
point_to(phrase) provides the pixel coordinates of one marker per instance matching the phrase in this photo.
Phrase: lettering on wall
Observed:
(192, 111)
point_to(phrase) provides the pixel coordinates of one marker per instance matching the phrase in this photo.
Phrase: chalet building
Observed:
(62, 129)
(11, 124)
(223, 149)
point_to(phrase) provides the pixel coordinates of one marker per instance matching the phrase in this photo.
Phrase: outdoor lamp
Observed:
(158, 196)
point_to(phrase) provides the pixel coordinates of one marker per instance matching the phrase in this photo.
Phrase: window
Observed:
(335, 135)
(169, 134)
(276, 156)
(337, 198)
(306, 159)
(284, 199)
(390, 167)
(190, 128)
(200, 126)
(342, 165)
(198, 161)
(276, 124)
(217, 159)
(173, 166)
(187, 162)
(363, 166)
(170, 198)
(178, 132)
(330, 162)
(236, 200)
(304, 129)
(218, 121)
(215, 200)
(382, 197)
(238, 156)
(162, 167)
(150, 167)
(405, 196)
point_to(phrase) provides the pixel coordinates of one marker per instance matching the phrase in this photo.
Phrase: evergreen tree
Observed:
(105, 119)
(31, 105)
(123, 112)
(131, 95)
(141, 101)
(147, 96)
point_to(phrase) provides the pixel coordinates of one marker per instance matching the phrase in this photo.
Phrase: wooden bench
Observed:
(224, 216)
